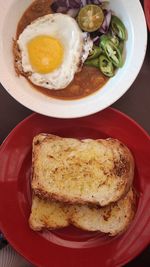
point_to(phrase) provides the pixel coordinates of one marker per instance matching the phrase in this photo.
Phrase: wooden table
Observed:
(135, 103)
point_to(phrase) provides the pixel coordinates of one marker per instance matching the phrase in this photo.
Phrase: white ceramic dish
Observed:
(132, 15)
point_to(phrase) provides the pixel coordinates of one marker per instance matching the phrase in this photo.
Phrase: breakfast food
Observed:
(51, 53)
(112, 219)
(56, 46)
(87, 171)
(47, 215)
(86, 183)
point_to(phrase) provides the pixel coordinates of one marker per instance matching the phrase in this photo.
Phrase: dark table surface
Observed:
(135, 103)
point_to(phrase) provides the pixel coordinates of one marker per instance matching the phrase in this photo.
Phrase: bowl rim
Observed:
(91, 104)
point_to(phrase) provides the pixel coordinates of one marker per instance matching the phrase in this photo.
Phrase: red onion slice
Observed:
(105, 26)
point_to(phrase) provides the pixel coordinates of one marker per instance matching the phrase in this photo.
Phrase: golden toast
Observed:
(112, 219)
(87, 171)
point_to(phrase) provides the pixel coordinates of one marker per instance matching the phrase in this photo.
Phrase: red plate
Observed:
(147, 12)
(71, 247)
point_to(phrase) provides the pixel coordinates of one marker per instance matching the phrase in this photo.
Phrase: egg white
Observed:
(76, 49)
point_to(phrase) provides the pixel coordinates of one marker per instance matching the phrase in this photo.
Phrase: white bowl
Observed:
(131, 14)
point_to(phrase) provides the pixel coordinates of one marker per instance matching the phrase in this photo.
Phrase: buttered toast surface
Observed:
(81, 171)
(112, 219)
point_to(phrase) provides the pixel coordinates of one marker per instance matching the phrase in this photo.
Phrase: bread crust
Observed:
(114, 169)
(47, 215)
(112, 220)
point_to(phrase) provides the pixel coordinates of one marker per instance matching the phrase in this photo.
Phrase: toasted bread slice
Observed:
(113, 219)
(47, 215)
(81, 172)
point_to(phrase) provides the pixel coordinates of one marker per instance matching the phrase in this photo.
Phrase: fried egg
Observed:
(53, 49)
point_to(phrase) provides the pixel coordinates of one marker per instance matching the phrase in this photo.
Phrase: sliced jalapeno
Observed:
(111, 51)
(93, 62)
(95, 52)
(106, 66)
(114, 39)
(121, 46)
(103, 39)
(118, 27)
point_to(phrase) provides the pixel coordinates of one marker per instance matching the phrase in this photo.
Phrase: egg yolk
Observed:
(45, 54)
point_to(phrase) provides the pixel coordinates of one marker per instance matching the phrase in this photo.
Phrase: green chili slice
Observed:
(93, 62)
(95, 52)
(118, 27)
(114, 39)
(111, 51)
(106, 66)
(103, 39)
(121, 46)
